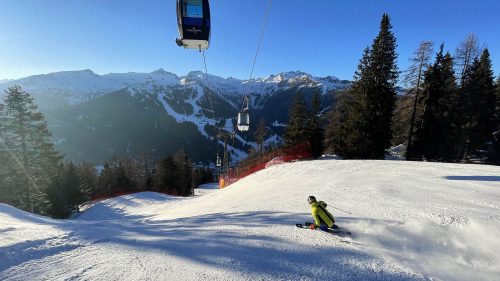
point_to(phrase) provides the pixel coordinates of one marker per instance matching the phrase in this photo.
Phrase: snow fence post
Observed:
(221, 182)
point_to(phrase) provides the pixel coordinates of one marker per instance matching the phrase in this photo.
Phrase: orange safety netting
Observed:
(259, 162)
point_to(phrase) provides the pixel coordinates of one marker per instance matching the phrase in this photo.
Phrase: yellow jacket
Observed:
(321, 214)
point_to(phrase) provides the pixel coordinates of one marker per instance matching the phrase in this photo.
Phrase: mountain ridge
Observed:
(95, 117)
(79, 86)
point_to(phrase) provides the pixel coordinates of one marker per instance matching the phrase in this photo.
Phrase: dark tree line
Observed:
(66, 192)
(360, 124)
(304, 124)
(440, 113)
(34, 178)
(449, 112)
(173, 175)
(458, 118)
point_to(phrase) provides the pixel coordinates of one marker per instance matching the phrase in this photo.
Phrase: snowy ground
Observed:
(411, 221)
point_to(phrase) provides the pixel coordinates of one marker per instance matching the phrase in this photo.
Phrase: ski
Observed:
(336, 230)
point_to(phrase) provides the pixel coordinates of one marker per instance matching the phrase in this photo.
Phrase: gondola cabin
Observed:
(193, 18)
(219, 162)
(243, 121)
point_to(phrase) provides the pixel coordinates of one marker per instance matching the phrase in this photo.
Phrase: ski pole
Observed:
(341, 210)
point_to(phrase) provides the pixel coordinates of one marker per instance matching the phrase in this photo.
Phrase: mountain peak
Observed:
(161, 71)
(197, 73)
(282, 76)
(296, 73)
(87, 72)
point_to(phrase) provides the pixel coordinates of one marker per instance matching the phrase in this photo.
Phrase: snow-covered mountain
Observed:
(94, 117)
(81, 86)
(409, 221)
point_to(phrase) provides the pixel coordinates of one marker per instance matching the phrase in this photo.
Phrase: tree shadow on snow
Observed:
(473, 178)
(249, 243)
(114, 209)
(14, 255)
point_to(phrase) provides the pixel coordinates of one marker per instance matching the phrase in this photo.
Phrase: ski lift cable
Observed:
(208, 84)
(259, 44)
(263, 28)
(210, 98)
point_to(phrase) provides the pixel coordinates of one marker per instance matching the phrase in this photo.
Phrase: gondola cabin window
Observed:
(193, 8)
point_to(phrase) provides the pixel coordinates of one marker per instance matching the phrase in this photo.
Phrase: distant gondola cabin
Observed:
(243, 121)
(193, 17)
(219, 161)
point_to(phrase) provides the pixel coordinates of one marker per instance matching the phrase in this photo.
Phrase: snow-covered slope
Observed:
(410, 221)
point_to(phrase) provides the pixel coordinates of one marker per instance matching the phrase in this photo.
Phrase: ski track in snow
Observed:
(410, 221)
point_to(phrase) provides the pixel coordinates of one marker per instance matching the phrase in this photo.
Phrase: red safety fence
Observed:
(259, 162)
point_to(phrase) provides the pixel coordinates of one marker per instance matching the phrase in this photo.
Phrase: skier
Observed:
(322, 218)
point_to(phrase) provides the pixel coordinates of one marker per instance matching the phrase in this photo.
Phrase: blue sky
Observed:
(319, 37)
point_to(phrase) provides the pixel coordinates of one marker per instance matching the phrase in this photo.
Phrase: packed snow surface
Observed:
(410, 221)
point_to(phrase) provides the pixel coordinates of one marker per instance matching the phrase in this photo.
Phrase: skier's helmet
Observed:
(311, 199)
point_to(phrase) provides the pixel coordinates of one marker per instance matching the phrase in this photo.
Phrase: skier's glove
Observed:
(312, 226)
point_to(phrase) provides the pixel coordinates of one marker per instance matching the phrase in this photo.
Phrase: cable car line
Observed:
(218, 163)
(243, 122)
(193, 19)
(208, 83)
(263, 28)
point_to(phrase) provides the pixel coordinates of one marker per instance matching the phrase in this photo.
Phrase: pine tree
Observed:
(367, 114)
(336, 129)
(466, 54)
(34, 160)
(297, 129)
(7, 173)
(65, 192)
(414, 78)
(184, 173)
(382, 93)
(167, 175)
(479, 105)
(122, 180)
(147, 171)
(495, 154)
(261, 134)
(437, 134)
(345, 131)
(105, 180)
(89, 179)
(316, 137)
